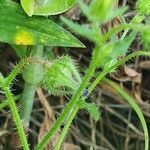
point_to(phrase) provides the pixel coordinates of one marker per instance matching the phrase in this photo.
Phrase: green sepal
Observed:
(121, 46)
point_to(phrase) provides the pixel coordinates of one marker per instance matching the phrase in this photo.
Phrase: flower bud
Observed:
(62, 77)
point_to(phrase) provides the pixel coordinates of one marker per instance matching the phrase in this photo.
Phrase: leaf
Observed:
(28, 6)
(91, 108)
(120, 47)
(46, 7)
(116, 12)
(18, 29)
(91, 34)
(52, 7)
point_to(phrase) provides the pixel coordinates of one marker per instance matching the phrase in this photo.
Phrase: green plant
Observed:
(107, 54)
(61, 76)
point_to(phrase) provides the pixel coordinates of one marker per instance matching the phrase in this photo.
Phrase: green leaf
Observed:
(18, 29)
(46, 7)
(116, 12)
(91, 108)
(111, 51)
(28, 6)
(52, 7)
(83, 30)
(120, 47)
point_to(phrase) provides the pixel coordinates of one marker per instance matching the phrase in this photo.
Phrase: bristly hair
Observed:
(62, 77)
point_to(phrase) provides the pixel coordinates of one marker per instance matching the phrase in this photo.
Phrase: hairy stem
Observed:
(27, 101)
(66, 128)
(33, 75)
(16, 118)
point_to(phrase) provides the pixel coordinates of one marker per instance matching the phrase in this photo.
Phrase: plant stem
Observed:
(5, 103)
(27, 101)
(66, 128)
(134, 106)
(16, 118)
(33, 75)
